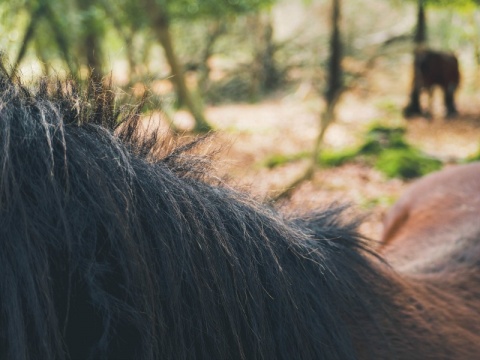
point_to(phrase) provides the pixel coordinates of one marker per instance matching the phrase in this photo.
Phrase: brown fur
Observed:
(432, 240)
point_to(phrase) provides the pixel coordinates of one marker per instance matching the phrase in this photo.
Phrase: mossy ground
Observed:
(384, 148)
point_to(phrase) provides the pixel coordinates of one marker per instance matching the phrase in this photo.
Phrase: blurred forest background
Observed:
(303, 95)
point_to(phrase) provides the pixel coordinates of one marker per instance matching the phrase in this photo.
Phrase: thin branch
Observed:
(27, 37)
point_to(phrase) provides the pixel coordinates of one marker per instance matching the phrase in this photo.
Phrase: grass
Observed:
(282, 159)
(475, 157)
(386, 200)
(385, 148)
(327, 158)
(337, 158)
(406, 163)
(380, 138)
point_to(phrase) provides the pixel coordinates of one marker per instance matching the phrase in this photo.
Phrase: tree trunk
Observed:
(27, 37)
(334, 90)
(420, 37)
(335, 83)
(216, 29)
(130, 52)
(61, 40)
(160, 23)
(265, 75)
(93, 56)
(91, 47)
(271, 74)
(40, 51)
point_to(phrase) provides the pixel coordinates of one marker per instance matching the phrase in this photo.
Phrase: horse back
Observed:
(435, 225)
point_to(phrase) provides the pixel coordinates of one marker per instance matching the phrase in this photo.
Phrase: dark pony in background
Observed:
(112, 247)
(433, 68)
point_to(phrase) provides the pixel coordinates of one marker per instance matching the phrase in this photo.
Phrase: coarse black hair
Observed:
(113, 248)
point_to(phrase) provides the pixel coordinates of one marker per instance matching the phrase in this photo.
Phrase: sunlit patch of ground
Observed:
(449, 139)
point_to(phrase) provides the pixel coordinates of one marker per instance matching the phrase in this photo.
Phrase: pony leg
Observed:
(449, 99)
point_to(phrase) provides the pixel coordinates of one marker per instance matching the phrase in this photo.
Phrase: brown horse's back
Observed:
(432, 240)
(435, 226)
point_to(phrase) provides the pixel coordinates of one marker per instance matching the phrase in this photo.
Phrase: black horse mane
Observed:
(112, 249)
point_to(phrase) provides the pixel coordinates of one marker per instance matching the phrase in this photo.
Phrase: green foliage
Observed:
(465, 4)
(394, 156)
(194, 9)
(281, 159)
(385, 148)
(337, 158)
(128, 13)
(473, 158)
(234, 88)
(406, 163)
(326, 158)
(459, 4)
(92, 19)
(380, 138)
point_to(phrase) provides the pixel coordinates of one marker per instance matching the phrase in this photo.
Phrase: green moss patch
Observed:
(337, 158)
(406, 163)
(281, 159)
(384, 148)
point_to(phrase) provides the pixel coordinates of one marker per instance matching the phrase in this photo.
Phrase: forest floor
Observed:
(287, 123)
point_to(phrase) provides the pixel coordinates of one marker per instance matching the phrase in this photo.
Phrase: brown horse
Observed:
(433, 68)
(432, 238)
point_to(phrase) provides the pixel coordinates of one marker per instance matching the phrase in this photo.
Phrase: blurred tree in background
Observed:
(161, 13)
(78, 28)
(47, 27)
(194, 52)
(420, 35)
(333, 90)
(219, 50)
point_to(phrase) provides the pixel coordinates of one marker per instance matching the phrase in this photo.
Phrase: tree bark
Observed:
(419, 40)
(335, 83)
(420, 37)
(93, 54)
(27, 37)
(335, 89)
(61, 40)
(216, 29)
(161, 25)
(91, 44)
(271, 73)
(264, 71)
(335, 86)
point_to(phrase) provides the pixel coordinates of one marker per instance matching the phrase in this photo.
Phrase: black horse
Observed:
(113, 249)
